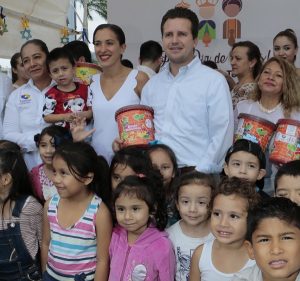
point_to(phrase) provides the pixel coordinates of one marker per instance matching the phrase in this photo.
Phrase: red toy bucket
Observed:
(135, 123)
(286, 145)
(84, 72)
(255, 129)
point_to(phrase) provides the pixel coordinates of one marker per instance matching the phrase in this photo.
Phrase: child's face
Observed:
(120, 172)
(132, 214)
(289, 187)
(229, 218)
(276, 248)
(47, 149)
(244, 165)
(62, 72)
(192, 204)
(66, 184)
(162, 161)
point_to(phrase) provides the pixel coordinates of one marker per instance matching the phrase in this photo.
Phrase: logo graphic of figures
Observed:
(232, 26)
(183, 4)
(206, 8)
(207, 27)
(207, 31)
(185, 261)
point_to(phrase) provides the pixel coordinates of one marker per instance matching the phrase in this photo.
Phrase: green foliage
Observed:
(99, 6)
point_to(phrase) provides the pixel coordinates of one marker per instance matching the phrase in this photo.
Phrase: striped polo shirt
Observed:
(73, 250)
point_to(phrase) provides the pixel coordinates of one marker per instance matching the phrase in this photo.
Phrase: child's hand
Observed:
(77, 128)
(79, 114)
(117, 144)
(69, 117)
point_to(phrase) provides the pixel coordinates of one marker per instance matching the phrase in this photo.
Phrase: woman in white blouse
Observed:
(23, 113)
(276, 96)
(115, 87)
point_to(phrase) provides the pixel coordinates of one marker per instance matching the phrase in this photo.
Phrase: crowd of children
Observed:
(102, 224)
(140, 217)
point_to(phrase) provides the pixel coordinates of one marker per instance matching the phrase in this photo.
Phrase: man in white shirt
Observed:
(150, 57)
(192, 104)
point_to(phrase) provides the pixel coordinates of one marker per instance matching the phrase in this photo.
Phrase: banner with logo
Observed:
(222, 22)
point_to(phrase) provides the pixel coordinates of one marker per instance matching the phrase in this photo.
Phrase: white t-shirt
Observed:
(252, 107)
(184, 247)
(104, 112)
(209, 272)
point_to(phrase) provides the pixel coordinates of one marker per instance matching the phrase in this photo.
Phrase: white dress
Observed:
(104, 112)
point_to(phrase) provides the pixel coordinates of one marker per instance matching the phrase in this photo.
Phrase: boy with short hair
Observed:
(287, 181)
(245, 159)
(68, 98)
(273, 240)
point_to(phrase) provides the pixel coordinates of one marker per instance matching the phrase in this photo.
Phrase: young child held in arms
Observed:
(219, 259)
(273, 240)
(140, 249)
(193, 192)
(77, 224)
(287, 181)
(67, 99)
(20, 219)
(246, 160)
(163, 158)
(42, 175)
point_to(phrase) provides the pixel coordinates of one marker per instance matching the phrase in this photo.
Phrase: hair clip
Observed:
(140, 176)
(154, 142)
(36, 138)
(58, 140)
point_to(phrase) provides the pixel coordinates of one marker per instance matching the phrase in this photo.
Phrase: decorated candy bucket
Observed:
(135, 123)
(84, 72)
(286, 146)
(255, 129)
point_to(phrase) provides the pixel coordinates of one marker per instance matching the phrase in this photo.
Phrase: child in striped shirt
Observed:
(77, 224)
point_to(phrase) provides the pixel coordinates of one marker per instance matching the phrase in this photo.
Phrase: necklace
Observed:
(263, 109)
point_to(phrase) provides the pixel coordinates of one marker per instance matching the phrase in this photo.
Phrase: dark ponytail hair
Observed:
(148, 189)
(12, 162)
(82, 159)
(14, 64)
(253, 52)
(60, 135)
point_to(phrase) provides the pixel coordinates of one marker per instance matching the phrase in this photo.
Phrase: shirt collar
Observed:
(31, 84)
(185, 68)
